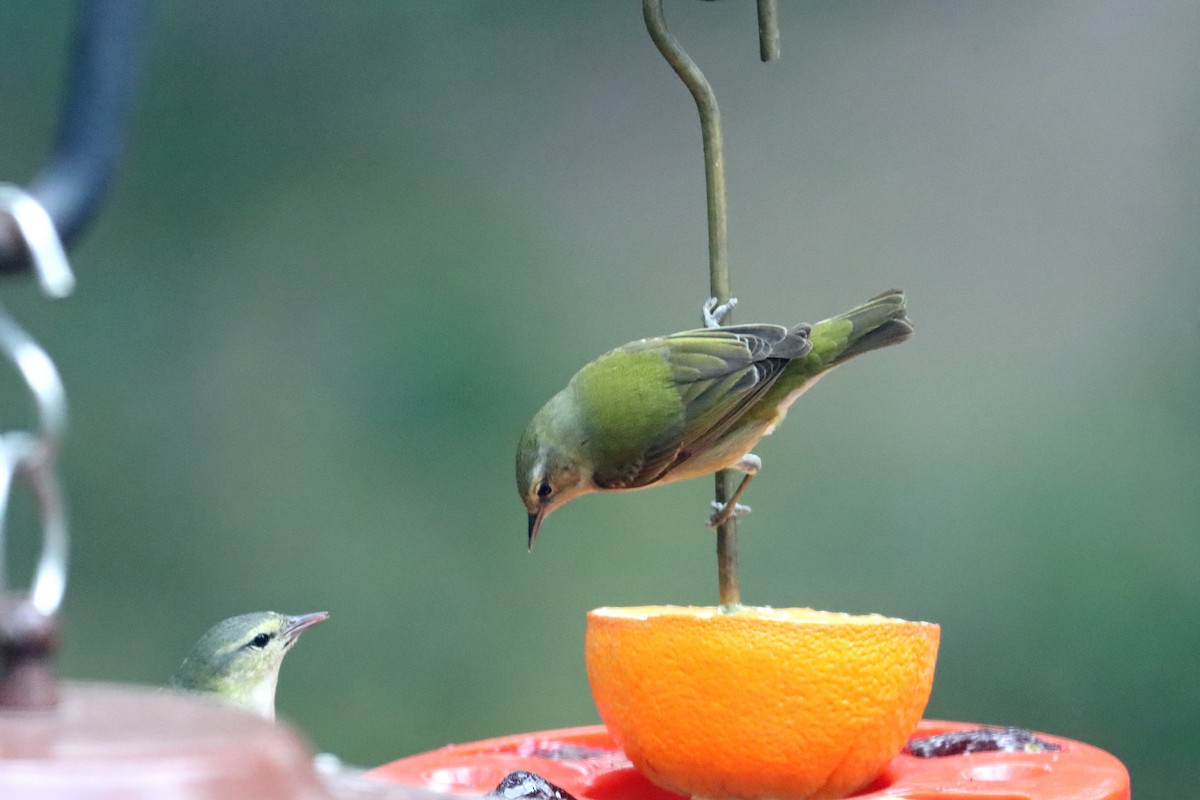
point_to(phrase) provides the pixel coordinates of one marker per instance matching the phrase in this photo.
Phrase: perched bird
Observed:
(238, 659)
(688, 404)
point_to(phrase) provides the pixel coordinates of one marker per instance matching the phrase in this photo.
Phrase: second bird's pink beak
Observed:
(299, 624)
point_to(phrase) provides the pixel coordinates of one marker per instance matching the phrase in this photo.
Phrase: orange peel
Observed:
(759, 703)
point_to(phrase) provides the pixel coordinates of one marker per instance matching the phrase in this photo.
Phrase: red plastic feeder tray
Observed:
(585, 762)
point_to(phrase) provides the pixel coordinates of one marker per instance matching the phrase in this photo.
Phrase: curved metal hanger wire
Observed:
(100, 91)
(718, 248)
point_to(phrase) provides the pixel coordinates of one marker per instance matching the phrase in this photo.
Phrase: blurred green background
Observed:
(354, 246)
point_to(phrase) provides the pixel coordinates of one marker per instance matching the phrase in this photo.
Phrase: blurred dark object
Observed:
(980, 740)
(28, 640)
(522, 785)
(99, 93)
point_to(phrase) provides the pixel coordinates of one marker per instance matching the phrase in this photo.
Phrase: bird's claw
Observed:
(748, 464)
(722, 512)
(713, 313)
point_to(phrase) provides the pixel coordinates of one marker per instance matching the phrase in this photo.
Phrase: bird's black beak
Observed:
(535, 523)
(298, 625)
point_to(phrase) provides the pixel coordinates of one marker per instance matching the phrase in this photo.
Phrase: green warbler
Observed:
(688, 404)
(238, 659)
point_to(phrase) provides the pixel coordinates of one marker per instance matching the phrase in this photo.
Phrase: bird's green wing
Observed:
(710, 377)
(721, 372)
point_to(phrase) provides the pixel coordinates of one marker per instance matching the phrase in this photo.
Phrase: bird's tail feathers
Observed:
(880, 322)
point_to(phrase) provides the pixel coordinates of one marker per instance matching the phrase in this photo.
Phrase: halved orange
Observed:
(784, 703)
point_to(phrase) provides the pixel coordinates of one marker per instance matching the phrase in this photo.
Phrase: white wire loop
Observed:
(31, 457)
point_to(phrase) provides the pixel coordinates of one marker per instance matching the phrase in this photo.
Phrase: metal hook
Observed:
(718, 228)
(24, 453)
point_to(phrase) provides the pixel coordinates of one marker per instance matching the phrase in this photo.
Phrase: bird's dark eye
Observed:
(261, 640)
(545, 489)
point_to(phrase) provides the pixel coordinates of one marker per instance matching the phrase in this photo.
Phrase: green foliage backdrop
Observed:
(354, 246)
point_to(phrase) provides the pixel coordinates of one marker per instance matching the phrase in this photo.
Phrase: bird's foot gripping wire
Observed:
(748, 464)
(713, 313)
(723, 511)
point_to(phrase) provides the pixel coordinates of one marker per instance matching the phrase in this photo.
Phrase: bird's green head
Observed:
(551, 464)
(238, 659)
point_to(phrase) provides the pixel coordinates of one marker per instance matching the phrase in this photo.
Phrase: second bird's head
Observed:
(238, 659)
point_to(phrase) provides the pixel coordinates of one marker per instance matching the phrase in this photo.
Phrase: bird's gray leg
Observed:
(750, 464)
(712, 313)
